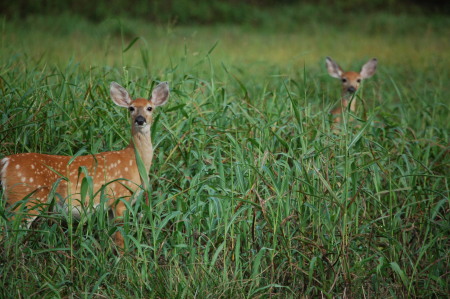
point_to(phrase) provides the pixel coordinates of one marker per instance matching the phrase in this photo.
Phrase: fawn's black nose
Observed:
(140, 120)
(351, 89)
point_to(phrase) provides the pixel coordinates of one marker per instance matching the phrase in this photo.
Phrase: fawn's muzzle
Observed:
(351, 89)
(140, 120)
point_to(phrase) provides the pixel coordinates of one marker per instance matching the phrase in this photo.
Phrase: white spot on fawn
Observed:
(17, 166)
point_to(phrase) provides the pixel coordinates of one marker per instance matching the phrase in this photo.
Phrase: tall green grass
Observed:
(252, 193)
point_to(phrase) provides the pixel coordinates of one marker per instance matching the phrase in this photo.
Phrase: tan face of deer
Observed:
(351, 80)
(141, 110)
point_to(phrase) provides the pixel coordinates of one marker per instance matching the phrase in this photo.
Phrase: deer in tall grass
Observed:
(31, 176)
(351, 81)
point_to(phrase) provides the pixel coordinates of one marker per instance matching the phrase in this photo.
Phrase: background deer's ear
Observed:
(333, 68)
(369, 68)
(119, 95)
(160, 94)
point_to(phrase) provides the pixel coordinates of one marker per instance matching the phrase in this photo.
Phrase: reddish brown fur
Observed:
(33, 174)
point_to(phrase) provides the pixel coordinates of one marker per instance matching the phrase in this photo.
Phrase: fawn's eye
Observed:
(149, 108)
(131, 109)
(359, 80)
(344, 80)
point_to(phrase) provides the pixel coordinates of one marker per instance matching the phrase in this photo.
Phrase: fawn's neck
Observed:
(142, 142)
(346, 98)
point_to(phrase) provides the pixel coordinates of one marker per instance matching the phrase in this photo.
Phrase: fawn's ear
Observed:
(333, 68)
(160, 94)
(119, 95)
(369, 68)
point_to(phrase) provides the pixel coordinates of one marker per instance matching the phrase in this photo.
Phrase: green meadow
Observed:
(252, 193)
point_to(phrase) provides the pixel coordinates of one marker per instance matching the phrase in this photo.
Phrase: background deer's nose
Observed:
(140, 120)
(351, 89)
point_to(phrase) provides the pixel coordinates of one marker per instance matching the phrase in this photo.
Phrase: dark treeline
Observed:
(204, 11)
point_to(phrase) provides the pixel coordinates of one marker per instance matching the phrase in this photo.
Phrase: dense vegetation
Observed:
(252, 194)
(255, 12)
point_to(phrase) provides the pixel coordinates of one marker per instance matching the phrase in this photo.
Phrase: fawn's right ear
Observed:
(119, 95)
(333, 68)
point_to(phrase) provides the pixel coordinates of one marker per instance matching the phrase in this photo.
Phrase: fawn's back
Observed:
(34, 174)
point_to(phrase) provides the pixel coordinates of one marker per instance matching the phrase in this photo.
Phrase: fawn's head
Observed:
(351, 80)
(140, 109)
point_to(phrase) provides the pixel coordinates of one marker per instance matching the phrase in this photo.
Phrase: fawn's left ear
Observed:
(160, 94)
(119, 95)
(369, 68)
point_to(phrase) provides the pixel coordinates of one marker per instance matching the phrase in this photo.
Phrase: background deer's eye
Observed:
(131, 109)
(149, 108)
(344, 80)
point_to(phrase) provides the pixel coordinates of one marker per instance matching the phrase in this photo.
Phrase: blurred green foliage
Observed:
(207, 12)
